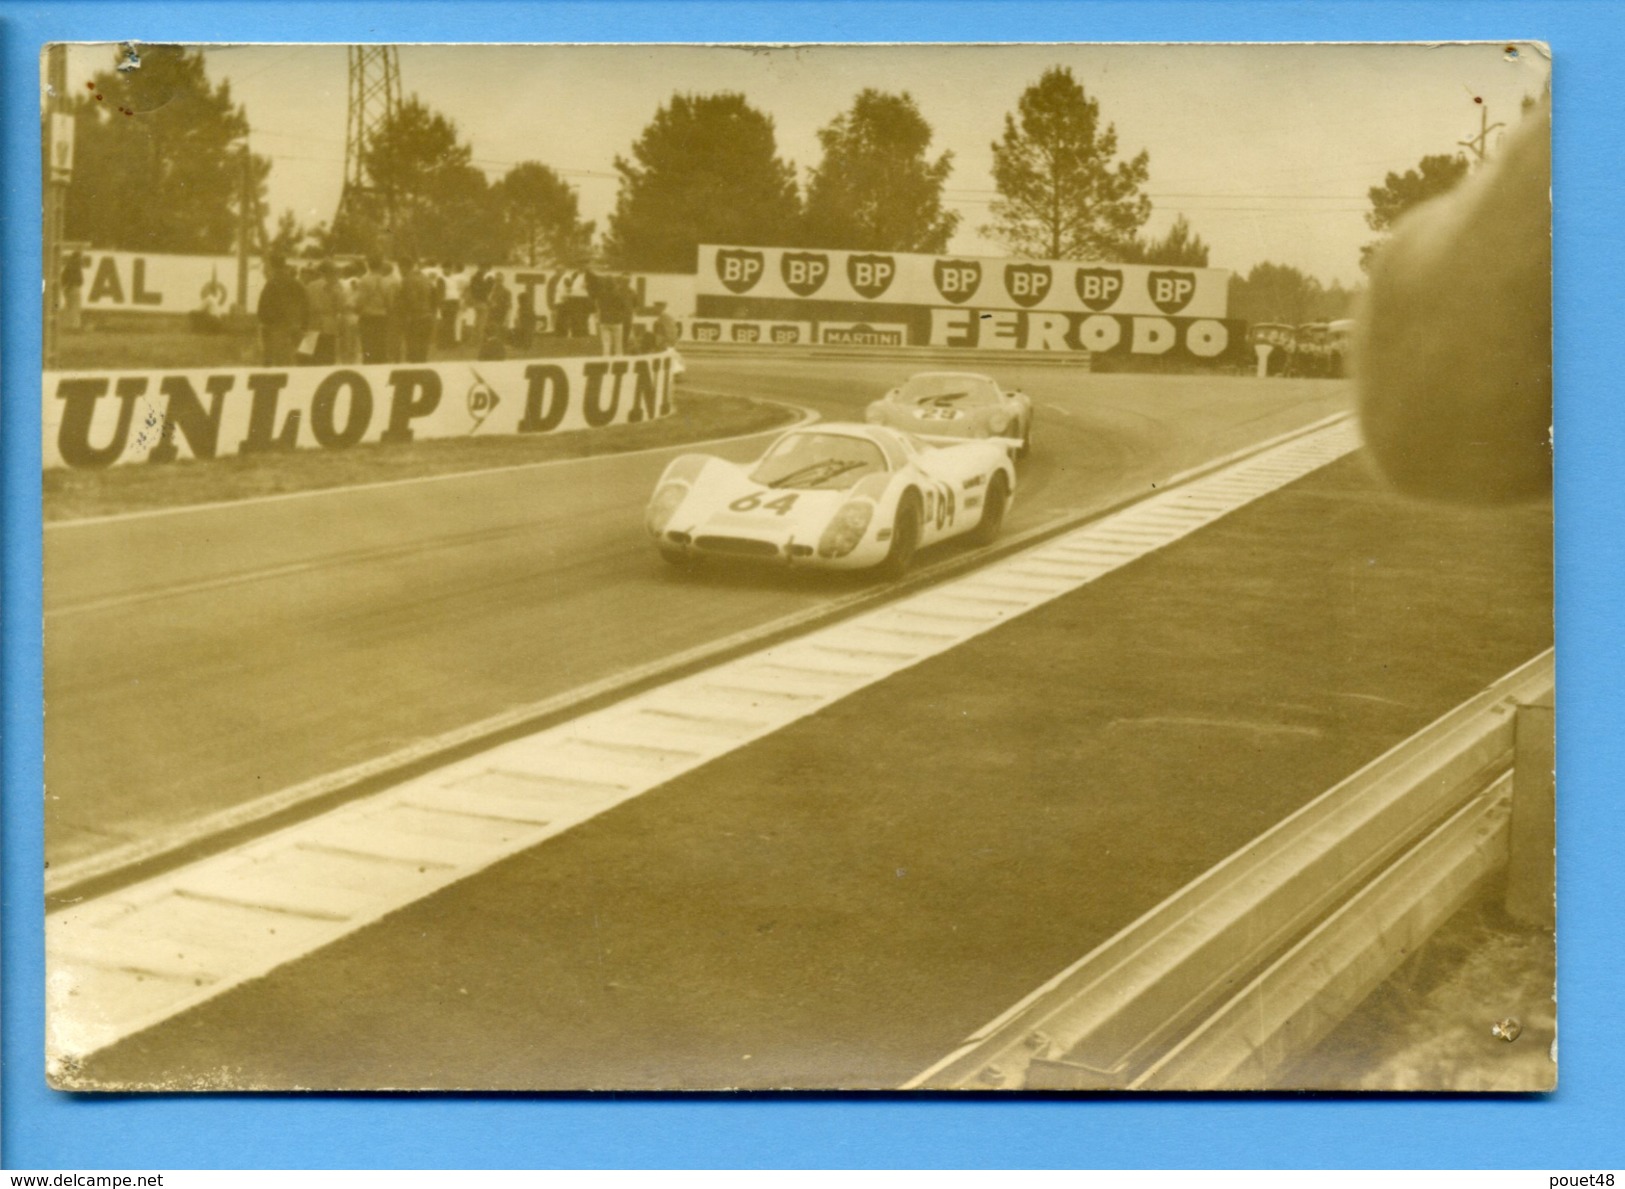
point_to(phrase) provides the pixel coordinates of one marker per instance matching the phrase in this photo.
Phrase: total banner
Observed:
(101, 419)
(905, 278)
(156, 283)
(163, 283)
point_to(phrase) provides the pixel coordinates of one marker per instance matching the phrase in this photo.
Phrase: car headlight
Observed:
(664, 506)
(847, 529)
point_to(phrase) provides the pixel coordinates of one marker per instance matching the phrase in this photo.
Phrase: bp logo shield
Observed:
(1171, 291)
(1099, 288)
(738, 269)
(870, 275)
(1027, 284)
(957, 279)
(804, 272)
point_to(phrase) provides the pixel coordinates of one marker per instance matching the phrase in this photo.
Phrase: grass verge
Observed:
(697, 417)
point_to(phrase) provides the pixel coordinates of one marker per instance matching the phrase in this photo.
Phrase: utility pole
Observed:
(1477, 143)
(374, 101)
(245, 201)
(58, 123)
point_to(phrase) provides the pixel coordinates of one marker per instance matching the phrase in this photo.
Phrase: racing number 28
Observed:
(749, 503)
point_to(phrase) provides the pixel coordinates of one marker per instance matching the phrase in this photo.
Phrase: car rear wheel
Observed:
(994, 504)
(905, 537)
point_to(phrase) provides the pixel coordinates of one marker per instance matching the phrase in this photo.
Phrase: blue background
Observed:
(1578, 1127)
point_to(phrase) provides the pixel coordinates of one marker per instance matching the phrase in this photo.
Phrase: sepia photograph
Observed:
(798, 567)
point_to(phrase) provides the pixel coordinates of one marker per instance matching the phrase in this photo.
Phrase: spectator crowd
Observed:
(379, 311)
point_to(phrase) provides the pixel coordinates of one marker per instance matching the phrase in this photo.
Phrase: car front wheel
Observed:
(905, 537)
(994, 504)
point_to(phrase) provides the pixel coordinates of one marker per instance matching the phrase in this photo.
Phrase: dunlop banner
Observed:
(99, 419)
(903, 278)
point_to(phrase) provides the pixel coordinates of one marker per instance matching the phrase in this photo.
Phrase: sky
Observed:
(1268, 150)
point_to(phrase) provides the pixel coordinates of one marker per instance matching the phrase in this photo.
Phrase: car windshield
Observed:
(956, 391)
(825, 460)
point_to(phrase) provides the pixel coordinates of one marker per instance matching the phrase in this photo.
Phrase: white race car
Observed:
(834, 496)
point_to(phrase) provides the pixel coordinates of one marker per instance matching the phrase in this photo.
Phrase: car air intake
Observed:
(740, 546)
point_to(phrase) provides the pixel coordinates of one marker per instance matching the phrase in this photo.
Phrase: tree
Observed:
(158, 159)
(1282, 293)
(705, 170)
(1061, 193)
(1181, 247)
(543, 215)
(875, 188)
(427, 197)
(290, 236)
(1400, 192)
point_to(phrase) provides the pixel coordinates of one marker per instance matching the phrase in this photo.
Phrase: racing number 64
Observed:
(749, 503)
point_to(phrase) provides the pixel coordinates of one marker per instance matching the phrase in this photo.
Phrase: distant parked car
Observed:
(833, 496)
(956, 405)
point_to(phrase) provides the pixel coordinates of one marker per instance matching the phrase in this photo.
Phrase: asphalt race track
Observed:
(840, 903)
(198, 660)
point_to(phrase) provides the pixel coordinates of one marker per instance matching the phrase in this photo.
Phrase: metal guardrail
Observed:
(1258, 958)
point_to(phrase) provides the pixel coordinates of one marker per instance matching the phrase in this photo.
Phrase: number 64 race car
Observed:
(835, 496)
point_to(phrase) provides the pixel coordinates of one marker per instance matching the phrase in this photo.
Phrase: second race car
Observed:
(956, 405)
(837, 496)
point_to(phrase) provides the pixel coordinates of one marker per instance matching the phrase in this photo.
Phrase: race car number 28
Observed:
(749, 503)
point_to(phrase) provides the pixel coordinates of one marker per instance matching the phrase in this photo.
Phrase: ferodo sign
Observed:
(905, 278)
(746, 330)
(162, 284)
(99, 419)
(1020, 330)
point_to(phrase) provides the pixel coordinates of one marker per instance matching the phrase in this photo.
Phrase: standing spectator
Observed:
(328, 305)
(475, 297)
(498, 308)
(282, 313)
(372, 307)
(574, 303)
(452, 282)
(614, 312)
(666, 330)
(415, 308)
(524, 324)
(395, 334)
(349, 341)
(552, 299)
(73, 289)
